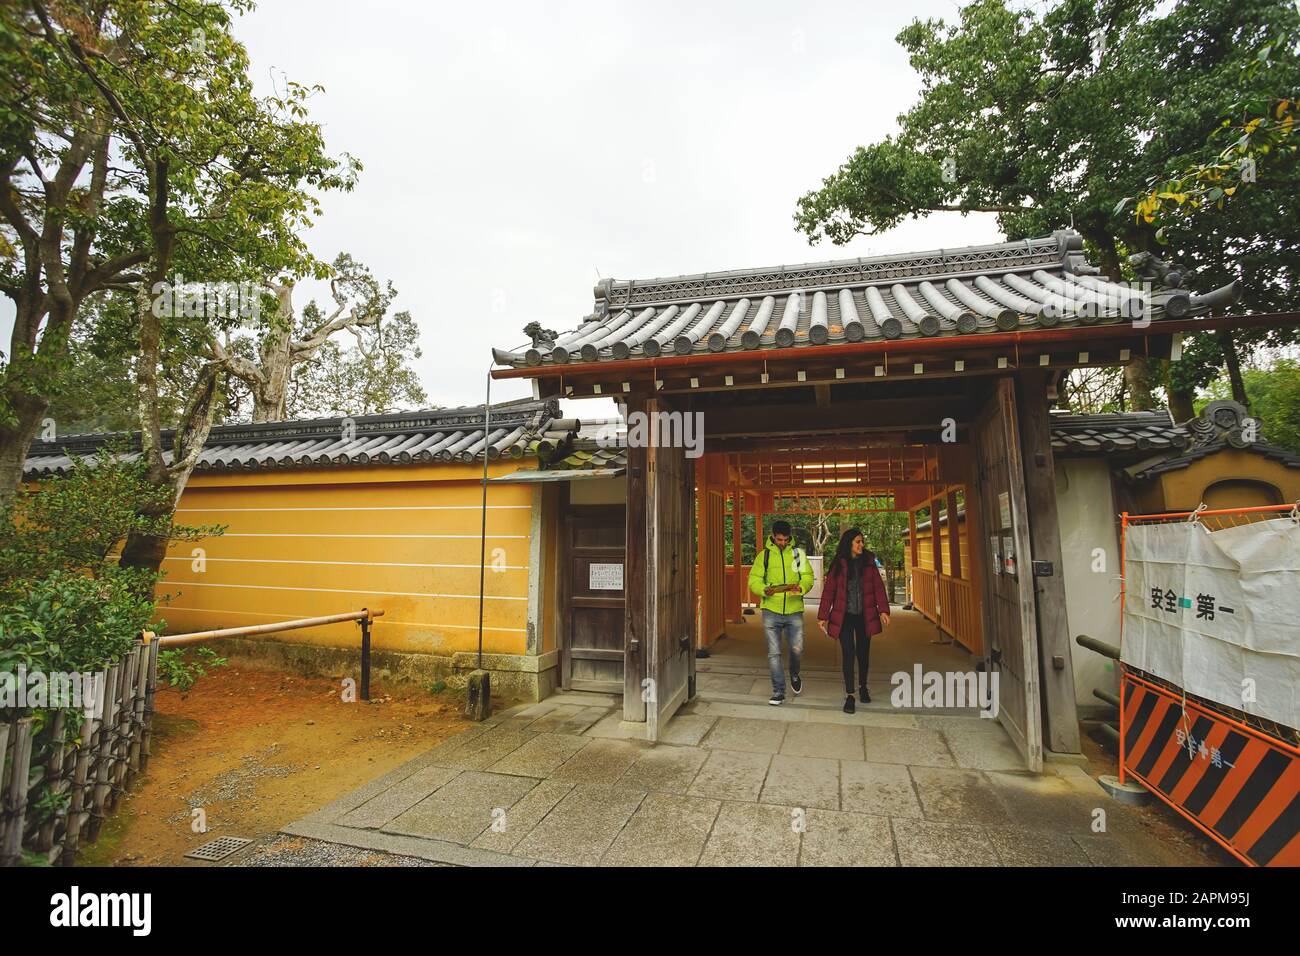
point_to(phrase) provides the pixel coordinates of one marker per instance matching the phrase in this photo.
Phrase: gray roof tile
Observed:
(428, 435)
(1034, 283)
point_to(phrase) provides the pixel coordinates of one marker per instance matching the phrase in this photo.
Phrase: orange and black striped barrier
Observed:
(1237, 784)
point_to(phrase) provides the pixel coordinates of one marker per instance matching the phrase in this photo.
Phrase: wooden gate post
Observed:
(636, 636)
(1060, 708)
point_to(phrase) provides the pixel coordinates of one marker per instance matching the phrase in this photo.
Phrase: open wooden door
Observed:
(670, 569)
(1009, 610)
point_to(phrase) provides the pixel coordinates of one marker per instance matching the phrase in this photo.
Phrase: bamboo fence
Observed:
(57, 787)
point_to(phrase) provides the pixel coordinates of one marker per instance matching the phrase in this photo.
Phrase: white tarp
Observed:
(1213, 611)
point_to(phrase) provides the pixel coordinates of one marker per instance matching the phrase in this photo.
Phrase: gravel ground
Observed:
(282, 850)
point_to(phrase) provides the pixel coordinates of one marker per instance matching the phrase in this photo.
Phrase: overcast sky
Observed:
(516, 152)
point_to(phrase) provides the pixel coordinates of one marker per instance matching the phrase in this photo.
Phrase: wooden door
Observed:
(1009, 602)
(593, 617)
(670, 582)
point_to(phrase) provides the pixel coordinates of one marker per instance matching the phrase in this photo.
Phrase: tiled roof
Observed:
(1011, 286)
(516, 429)
(1076, 435)
(1221, 425)
(598, 444)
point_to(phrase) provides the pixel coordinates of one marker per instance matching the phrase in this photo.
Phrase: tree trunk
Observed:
(14, 444)
(1233, 363)
(1139, 373)
(1180, 405)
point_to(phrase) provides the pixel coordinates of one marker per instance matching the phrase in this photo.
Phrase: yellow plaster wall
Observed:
(305, 543)
(1184, 489)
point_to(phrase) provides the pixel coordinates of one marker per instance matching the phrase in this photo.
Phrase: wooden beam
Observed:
(892, 414)
(1060, 710)
(737, 562)
(636, 635)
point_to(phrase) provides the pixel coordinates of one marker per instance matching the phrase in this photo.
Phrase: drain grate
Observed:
(218, 849)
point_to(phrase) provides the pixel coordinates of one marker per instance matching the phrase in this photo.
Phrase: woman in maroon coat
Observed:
(853, 607)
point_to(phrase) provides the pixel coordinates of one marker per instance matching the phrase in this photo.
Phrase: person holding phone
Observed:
(781, 576)
(853, 607)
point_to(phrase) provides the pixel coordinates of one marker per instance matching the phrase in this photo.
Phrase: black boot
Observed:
(863, 695)
(848, 704)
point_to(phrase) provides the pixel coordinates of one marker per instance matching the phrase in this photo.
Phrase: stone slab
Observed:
(582, 826)
(747, 734)
(665, 768)
(731, 775)
(878, 788)
(835, 838)
(913, 747)
(463, 808)
(752, 834)
(802, 782)
(833, 741)
(666, 830)
(399, 798)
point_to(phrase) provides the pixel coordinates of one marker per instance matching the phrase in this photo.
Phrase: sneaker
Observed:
(776, 700)
(848, 704)
(864, 695)
(796, 684)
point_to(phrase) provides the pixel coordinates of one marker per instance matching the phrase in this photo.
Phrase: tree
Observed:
(1274, 393)
(297, 360)
(216, 182)
(60, 220)
(1052, 118)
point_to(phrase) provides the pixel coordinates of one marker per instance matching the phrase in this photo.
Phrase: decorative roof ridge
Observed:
(1060, 249)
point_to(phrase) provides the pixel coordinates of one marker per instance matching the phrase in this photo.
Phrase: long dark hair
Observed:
(844, 552)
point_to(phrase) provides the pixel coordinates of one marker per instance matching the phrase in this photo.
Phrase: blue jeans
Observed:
(773, 625)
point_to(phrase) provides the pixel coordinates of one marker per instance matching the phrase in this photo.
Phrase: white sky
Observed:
(516, 152)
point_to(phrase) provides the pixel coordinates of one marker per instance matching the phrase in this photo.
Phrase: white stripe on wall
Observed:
(290, 617)
(293, 534)
(372, 508)
(276, 587)
(357, 564)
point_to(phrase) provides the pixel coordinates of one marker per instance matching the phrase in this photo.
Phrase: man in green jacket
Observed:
(781, 577)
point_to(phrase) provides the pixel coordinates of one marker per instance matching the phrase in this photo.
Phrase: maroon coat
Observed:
(835, 595)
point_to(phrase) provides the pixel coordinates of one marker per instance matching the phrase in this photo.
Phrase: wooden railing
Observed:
(953, 605)
(923, 592)
(959, 612)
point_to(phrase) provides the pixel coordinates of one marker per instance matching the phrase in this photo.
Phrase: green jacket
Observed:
(783, 566)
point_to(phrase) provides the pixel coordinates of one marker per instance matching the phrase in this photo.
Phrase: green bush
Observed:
(179, 669)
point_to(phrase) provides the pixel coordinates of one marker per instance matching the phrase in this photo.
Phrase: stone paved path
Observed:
(567, 782)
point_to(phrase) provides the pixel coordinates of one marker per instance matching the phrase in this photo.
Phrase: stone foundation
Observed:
(514, 676)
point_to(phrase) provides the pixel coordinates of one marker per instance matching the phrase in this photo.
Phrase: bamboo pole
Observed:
(4, 779)
(150, 695)
(76, 805)
(16, 795)
(103, 748)
(173, 640)
(54, 778)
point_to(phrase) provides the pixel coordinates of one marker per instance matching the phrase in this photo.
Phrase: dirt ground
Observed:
(256, 748)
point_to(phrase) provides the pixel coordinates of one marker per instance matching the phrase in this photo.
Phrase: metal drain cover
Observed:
(218, 849)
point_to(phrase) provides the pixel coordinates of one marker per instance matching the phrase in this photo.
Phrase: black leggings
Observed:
(854, 631)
